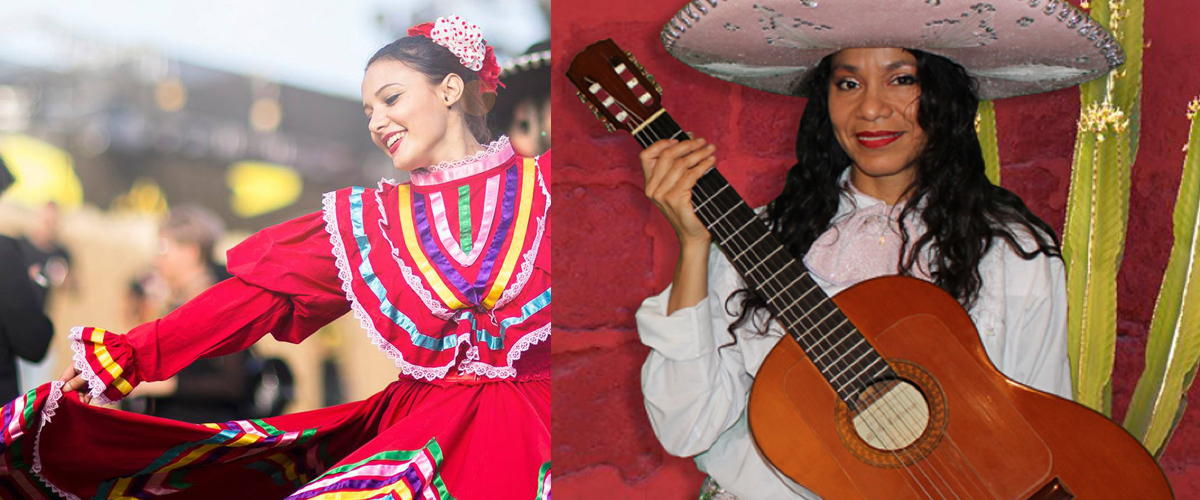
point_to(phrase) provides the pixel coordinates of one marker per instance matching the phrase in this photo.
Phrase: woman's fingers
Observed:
(675, 182)
(665, 162)
(671, 163)
(692, 159)
(75, 383)
(672, 168)
(68, 374)
(681, 180)
(651, 154)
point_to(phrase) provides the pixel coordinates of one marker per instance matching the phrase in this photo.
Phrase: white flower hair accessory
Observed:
(462, 38)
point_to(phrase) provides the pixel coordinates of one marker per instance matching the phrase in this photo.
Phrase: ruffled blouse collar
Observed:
(864, 241)
(495, 154)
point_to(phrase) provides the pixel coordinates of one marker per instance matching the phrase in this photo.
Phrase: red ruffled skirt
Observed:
(469, 440)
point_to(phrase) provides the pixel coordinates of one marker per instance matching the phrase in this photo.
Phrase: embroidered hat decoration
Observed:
(1011, 47)
(465, 41)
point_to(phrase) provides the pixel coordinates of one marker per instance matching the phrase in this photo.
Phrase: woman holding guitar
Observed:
(889, 181)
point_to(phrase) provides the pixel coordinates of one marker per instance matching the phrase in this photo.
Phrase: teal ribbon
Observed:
(376, 286)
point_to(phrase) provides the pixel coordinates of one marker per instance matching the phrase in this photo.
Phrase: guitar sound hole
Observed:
(895, 422)
(894, 414)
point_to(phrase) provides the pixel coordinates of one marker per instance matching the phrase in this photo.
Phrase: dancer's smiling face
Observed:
(873, 98)
(407, 114)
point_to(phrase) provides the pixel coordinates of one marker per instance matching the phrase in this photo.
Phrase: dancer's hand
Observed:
(75, 381)
(672, 168)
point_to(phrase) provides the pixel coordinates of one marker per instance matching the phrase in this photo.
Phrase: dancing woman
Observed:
(449, 274)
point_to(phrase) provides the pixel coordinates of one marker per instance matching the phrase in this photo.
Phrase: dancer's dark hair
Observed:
(963, 212)
(435, 62)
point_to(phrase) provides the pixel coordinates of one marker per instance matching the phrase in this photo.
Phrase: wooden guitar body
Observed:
(986, 437)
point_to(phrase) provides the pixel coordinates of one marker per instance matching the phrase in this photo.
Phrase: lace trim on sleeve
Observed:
(96, 386)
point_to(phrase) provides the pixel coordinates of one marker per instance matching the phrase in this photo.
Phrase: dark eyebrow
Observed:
(380, 91)
(892, 66)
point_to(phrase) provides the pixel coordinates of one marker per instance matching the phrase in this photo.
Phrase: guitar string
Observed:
(735, 234)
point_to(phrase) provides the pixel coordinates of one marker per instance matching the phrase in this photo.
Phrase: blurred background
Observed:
(146, 138)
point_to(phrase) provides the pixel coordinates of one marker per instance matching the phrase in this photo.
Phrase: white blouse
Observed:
(696, 380)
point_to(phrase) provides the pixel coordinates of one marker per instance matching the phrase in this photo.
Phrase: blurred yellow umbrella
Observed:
(259, 188)
(43, 172)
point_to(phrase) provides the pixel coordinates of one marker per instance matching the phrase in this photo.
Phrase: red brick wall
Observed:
(614, 249)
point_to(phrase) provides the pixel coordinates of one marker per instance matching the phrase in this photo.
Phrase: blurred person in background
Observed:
(210, 389)
(449, 274)
(25, 330)
(523, 110)
(48, 261)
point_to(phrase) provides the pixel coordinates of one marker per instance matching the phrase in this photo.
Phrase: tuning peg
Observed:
(644, 72)
(609, 127)
(582, 98)
(654, 83)
(635, 61)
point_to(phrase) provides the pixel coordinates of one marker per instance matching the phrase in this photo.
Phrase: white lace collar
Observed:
(495, 154)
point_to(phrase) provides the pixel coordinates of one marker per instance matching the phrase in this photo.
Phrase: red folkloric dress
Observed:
(449, 275)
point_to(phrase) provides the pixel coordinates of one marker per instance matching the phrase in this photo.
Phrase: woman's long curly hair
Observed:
(964, 213)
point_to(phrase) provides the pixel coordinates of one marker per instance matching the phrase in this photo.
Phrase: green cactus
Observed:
(985, 128)
(1173, 344)
(1098, 207)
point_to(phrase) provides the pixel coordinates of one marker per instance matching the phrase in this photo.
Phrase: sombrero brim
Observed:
(531, 61)
(1011, 47)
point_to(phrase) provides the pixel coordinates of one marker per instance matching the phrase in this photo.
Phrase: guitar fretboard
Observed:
(842, 354)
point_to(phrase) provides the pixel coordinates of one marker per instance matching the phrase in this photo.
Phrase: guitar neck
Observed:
(830, 340)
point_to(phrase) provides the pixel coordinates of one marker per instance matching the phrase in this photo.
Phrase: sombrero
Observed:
(1011, 47)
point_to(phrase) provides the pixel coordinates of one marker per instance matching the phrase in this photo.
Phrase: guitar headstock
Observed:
(616, 88)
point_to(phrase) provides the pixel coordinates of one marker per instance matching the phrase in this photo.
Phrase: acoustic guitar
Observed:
(884, 391)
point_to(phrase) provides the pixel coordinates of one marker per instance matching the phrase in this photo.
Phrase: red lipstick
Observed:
(877, 138)
(394, 147)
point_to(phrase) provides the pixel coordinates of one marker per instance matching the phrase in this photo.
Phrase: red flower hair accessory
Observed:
(465, 41)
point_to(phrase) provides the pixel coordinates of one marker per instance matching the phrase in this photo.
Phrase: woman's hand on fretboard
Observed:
(672, 168)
